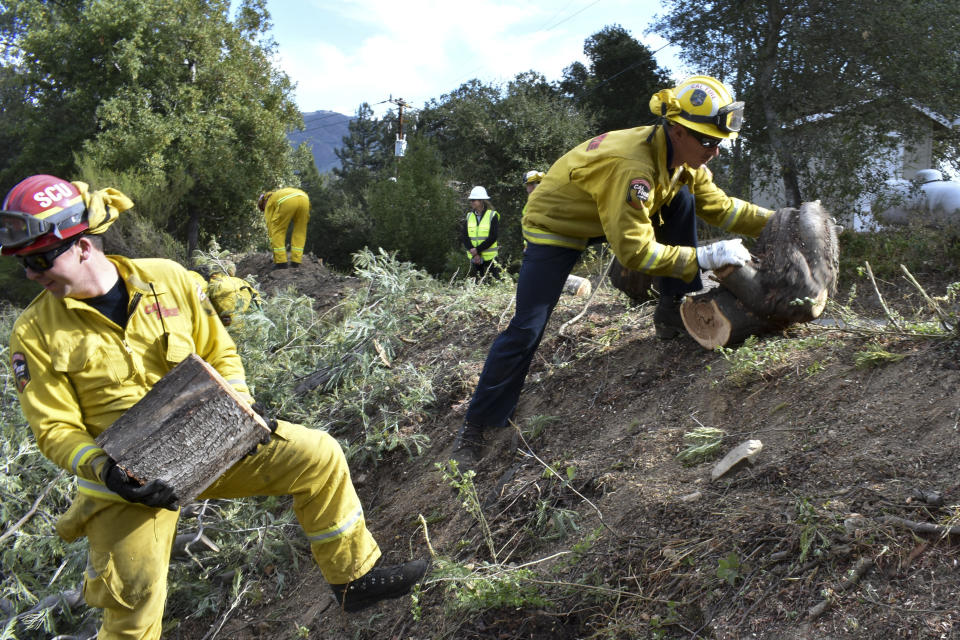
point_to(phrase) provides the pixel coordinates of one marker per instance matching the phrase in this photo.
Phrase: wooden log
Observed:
(635, 284)
(795, 272)
(188, 430)
(577, 286)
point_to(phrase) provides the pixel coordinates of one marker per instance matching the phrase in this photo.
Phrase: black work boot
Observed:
(279, 265)
(379, 584)
(468, 447)
(666, 318)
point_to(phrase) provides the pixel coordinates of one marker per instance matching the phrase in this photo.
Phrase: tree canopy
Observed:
(174, 91)
(854, 72)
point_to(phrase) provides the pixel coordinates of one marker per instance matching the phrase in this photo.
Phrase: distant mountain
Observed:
(324, 132)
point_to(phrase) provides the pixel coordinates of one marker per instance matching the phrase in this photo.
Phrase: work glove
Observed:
(261, 411)
(723, 253)
(155, 493)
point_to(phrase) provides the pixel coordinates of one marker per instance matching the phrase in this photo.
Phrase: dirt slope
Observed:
(649, 547)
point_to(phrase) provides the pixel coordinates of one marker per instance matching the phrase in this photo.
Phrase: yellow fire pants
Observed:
(130, 544)
(295, 211)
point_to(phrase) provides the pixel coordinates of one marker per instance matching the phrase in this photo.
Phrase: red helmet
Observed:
(40, 211)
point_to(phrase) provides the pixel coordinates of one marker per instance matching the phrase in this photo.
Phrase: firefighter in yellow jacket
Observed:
(282, 209)
(639, 189)
(91, 345)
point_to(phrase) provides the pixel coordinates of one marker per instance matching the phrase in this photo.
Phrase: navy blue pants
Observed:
(542, 274)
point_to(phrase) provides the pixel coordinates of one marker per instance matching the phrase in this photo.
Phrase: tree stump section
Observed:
(188, 430)
(796, 260)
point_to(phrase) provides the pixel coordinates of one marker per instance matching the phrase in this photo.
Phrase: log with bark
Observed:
(793, 274)
(188, 430)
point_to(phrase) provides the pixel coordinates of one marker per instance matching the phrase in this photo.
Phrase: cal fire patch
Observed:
(21, 372)
(638, 193)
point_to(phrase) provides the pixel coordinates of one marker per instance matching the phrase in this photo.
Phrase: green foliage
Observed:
(814, 527)
(472, 589)
(729, 568)
(622, 76)
(702, 444)
(490, 135)
(470, 500)
(756, 359)
(155, 89)
(416, 216)
(874, 356)
(795, 63)
(921, 250)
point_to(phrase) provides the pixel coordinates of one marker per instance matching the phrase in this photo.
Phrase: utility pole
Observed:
(400, 146)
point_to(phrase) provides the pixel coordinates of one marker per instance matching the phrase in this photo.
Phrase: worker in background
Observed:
(531, 179)
(93, 343)
(639, 189)
(283, 209)
(479, 233)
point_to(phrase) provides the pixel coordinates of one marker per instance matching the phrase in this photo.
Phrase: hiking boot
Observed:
(295, 265)
(666, 318)
(468, 447)
(379, 584)
(279, 265)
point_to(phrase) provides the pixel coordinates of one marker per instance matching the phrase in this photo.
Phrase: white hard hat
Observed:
(478, 193)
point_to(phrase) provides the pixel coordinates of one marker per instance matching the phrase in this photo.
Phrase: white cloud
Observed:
(421, 49)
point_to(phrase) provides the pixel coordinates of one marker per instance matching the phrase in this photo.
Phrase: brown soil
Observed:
(843, 448)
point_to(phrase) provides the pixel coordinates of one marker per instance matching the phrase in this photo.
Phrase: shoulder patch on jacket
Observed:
(21, 372)
(638, 193)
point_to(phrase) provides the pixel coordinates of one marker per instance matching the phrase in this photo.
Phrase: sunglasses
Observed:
(45, 259)
(708, 142)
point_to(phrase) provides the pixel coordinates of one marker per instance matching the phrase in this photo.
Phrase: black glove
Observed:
(155, 493)
(271, 424)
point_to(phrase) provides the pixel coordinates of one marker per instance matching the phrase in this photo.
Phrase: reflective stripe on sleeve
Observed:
(334, 532)
(732, 216)
(82, 454)
(97, 490)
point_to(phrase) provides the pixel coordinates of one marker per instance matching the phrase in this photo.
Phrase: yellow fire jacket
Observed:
(77, 371)
(614, 186)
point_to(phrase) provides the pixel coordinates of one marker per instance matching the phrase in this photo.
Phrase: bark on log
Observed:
(795, 272)
(635, 284)
(188, 430)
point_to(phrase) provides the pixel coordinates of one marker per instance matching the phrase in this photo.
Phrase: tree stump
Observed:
(188, 430)
(794, 272)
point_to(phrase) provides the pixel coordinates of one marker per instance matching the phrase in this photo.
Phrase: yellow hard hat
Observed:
(701, 103)
(533, 176)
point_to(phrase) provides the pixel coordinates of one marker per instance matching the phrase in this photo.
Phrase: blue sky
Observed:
(345, 52)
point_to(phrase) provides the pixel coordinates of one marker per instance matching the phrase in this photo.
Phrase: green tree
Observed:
(489, 135)
(416, 213)
(363, 155)
(825, 83)
(622, 76)
(162, 88)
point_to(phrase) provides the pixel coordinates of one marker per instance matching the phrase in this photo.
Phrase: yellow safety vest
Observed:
(479, 232)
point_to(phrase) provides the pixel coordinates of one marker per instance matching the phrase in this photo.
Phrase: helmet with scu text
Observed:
(41, 211)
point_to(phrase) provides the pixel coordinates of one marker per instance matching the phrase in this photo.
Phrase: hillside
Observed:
(323, 132)
(859, 426)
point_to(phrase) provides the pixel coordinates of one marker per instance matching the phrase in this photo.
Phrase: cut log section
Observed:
(794, 274)
(188, 430)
